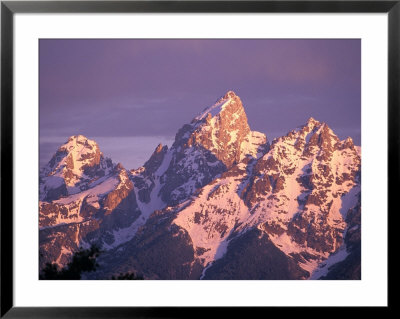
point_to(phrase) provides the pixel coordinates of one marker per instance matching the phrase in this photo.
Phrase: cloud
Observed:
(118, 88)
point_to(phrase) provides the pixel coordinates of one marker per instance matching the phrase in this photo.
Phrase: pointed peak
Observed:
(229, 101)
(312, 122)
(78, 138)
(325, 128)
(158, 148)
(348, 143)
(76, 162)
(220, 129)
(311, 125)
(229, 95)
(79, 148)
(155, 160)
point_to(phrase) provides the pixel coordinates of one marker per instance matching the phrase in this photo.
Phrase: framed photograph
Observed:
(162, 155)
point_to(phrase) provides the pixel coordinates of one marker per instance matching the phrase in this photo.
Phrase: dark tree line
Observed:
(127, 276)
(83, 260)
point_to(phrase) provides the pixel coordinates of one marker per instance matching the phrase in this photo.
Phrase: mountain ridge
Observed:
(217, 182)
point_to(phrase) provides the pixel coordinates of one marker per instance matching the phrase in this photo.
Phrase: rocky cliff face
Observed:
(223, 130)
(220, 203)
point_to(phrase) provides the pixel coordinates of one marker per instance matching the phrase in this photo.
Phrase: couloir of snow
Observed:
(323, 268)
(146, 209)
(212, 212)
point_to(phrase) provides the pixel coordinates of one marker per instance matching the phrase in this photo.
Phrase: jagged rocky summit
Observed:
(221, 203)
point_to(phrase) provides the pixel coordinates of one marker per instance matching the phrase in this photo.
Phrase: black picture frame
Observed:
(9, 8)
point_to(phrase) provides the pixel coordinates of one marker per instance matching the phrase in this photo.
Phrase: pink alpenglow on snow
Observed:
(222, 201)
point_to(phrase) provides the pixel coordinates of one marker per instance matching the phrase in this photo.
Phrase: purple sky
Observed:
(129, 95)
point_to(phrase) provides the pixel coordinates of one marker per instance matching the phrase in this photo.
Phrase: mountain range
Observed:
(222, 202)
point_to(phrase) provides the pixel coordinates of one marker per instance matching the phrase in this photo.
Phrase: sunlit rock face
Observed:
(222, 129)
(220, 203)
(75, 165)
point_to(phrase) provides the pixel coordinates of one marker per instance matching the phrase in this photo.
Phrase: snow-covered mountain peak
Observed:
(73, 166)
(348, 143)
(324, 138)
(310, 135)
(311, 122)
(80, 139)
(230, 94)
(74, 155)
(223, 130)
(80, 145)
(228, 101)
(316, 132)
